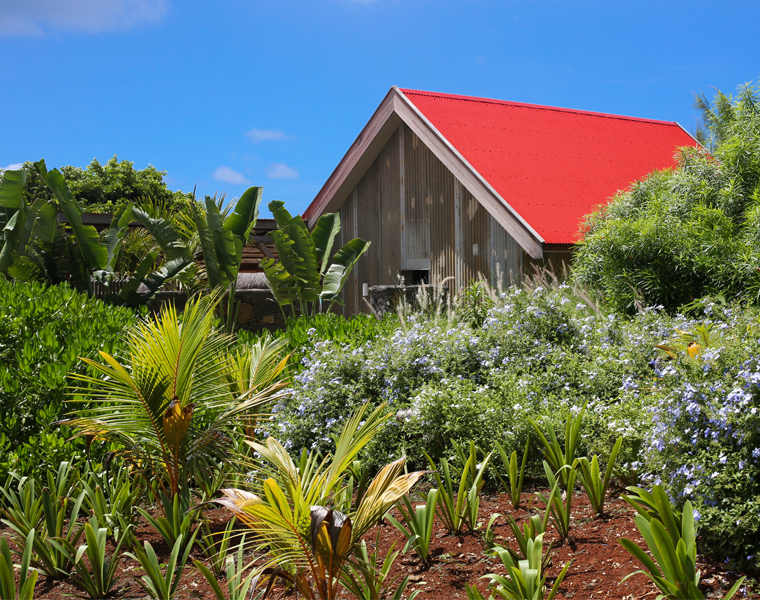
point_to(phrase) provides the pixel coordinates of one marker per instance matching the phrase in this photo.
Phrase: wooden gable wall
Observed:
(419, 216)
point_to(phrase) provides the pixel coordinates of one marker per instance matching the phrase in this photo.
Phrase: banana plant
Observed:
(222, 237)
(35, 246)
(301, 274)
(21, 224)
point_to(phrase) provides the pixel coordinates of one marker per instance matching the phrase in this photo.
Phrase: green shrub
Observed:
(682, 234)
(302, 332)
(43, 331)
(704, 444)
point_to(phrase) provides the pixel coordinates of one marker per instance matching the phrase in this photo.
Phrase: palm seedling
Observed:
(97, 579)
(307, 542)
(560, 511)
(111, 498)
(367, 579)
(169, 406)
(233, 569)
(456, 511)
(179, 519)
(51, 515)
(23, 506)
(216, 546)
(525, 579)
(27, 577)
(531, 529)
(162, 586)
(514, 488)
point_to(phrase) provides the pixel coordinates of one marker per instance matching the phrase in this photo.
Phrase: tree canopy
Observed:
(100, 188)
(691, 231)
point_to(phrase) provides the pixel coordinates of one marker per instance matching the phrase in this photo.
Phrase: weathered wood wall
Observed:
(418, 216)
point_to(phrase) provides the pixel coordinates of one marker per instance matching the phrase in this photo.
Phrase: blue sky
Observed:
(227, 94)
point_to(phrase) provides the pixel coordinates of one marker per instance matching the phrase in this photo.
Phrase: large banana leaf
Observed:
(297, 251)
(11, 195)
(116, 231)
(169, 240)
(94, 254)
(153, 280)
(324, 234)
(342, 264)
(246, 213)
(281, 283)
(78, 267)
(217, 244)
(222, 240)
(28, 221)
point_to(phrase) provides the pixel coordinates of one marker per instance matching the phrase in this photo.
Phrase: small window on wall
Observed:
(415, 277)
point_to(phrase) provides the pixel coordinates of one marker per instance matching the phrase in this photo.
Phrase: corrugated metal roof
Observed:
(552, 165)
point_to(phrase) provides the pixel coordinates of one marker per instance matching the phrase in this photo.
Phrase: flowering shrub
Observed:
(539, 352)
(690, 421)
(704, 442)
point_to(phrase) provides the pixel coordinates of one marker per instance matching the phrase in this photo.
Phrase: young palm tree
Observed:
(173, 403)
(308, 542)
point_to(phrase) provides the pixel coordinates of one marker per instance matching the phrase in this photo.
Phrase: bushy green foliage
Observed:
(43, 331)
(302, 332)
(682, 234)
(100, 188)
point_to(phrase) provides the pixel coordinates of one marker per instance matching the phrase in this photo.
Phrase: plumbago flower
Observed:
(704, 442)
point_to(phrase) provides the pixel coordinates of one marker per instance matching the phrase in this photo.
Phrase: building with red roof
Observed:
(453, 187)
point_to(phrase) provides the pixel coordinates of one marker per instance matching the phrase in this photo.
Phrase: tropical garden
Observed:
(596, 435)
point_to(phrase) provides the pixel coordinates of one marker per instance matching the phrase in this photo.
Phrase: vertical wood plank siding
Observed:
(456, 245)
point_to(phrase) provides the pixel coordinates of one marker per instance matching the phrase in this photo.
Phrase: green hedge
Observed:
(43, 331)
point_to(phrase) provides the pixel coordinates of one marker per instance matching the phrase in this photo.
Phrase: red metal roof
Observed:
(552, 165)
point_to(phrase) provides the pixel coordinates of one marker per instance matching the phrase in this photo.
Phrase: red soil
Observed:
(599, 562)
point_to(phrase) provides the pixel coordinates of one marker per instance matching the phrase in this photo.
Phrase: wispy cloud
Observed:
(36, 17)
(13, 167)
(230, 176)
(266, 135)
(281, 171)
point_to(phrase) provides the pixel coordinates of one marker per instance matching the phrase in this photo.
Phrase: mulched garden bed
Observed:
(599, 562)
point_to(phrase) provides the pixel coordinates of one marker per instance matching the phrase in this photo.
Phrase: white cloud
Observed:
(13, 167)
(281, 171)
(266, 135)
(36, 17)
(231, 176)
